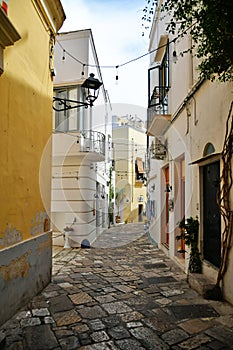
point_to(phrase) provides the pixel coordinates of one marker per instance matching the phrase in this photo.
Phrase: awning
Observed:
(211, 157)
(140, 165)
(161, 48)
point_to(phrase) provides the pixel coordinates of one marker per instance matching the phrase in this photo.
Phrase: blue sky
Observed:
(116, 28)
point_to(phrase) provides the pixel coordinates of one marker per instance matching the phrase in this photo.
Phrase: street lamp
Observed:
(91, 85)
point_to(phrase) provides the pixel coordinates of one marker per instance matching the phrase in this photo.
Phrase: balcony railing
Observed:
(92, 141)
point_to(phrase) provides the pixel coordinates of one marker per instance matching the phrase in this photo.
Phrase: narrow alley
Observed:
(122, 293)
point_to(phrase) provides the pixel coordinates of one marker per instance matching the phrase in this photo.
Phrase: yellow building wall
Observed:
(25, 127)
(129, 143)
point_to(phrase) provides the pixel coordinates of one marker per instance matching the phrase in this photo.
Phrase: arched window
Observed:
(209, 148)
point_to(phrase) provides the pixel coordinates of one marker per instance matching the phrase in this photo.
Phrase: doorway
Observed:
(140, 212)
(211, 214)
(166, 172)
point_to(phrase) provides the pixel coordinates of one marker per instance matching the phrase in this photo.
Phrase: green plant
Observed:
(189, 229)
(209, 22)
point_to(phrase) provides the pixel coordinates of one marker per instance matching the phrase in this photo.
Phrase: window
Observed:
(139, 169)
(159, 83)
(70, 119)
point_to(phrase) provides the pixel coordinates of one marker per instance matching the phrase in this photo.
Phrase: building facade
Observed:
(129, 140)
(27, 30)
(186, 130)
(81, 144)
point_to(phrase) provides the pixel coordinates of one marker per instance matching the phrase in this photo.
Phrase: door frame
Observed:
(202, 164)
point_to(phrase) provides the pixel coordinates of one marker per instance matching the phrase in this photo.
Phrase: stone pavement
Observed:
(123, 293)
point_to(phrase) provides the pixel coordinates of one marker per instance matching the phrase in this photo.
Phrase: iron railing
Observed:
(92, 141)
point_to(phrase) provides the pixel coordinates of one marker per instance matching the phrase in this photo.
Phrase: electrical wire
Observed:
(127, 62)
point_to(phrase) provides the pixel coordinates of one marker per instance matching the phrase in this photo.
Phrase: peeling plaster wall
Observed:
(24, 271)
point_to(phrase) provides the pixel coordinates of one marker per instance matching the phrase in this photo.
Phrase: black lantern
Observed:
(92, 86)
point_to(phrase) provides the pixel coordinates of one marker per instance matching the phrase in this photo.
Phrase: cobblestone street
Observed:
(122, 293)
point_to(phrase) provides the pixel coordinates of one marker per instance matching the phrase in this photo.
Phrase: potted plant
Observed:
(189, 229)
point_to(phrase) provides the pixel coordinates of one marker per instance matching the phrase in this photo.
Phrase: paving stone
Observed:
(105, 298)
(182, 312)
(131, 316)
(39, 337)
(48, 320)
(80, 298)
(69, 343)
(97, 325)
(40, 312)
(148, 338)
(85, 339)
(112, 320)
(124, 288)
(66, 318)
(60, 303)
(99, 346)
(129, 344)
(172, 292)
(154, 266)
(119, 332)
(133, 324)
(27, 322)
(23, 314)
(174, 336)
(80, 328)
(216, 345)
(195, 326)
(158, 324)
(99, 336)
(92, 312)
(163, 301)
(116, 307)
(221, 334)
(194, 342)
(157, 280)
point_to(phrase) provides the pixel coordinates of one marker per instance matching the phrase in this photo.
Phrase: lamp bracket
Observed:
(68, 104)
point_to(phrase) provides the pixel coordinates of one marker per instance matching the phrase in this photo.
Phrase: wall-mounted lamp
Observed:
(168, 188)
(91, 85)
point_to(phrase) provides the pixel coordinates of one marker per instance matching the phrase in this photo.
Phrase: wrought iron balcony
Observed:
(157, 113)
(92, 141)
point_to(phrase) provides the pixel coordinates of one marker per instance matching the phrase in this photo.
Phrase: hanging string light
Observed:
(83, 71)
(174, 54)
(130, 61)
(117, 76)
